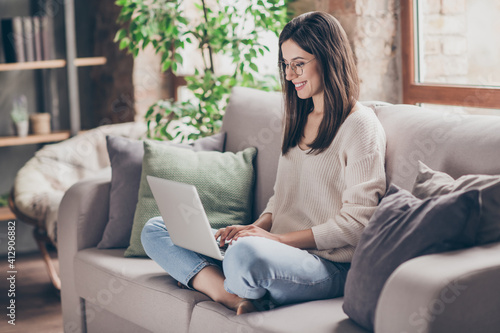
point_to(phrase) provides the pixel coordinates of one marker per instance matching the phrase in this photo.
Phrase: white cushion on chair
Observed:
(41, 183)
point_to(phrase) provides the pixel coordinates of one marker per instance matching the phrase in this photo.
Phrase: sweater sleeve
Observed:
(269, 207)
(365, 186)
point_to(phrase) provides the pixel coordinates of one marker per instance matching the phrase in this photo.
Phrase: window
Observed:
(451, 52)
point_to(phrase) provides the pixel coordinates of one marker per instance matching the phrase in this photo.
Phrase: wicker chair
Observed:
(41, 183)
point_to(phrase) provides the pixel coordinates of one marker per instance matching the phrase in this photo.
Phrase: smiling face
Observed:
(309, 84)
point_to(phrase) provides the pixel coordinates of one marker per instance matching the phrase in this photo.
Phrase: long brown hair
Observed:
(321, 35)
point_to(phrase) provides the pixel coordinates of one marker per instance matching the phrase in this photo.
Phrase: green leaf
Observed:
(254, 67)
(120, 34)
(163, 131)
(149, 112)
(178, 58)
(182, 20)
(124, 43)
(158, 118)
(166, 65)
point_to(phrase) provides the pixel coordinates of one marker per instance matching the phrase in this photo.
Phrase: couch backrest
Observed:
(455, 144)
(452, 143)
(254, 119)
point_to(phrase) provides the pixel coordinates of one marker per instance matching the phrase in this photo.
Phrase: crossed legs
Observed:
(253, 267)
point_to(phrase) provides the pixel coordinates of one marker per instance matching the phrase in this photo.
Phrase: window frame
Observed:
(447, 94)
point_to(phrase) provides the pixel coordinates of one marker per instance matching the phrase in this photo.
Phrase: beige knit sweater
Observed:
(336, 192)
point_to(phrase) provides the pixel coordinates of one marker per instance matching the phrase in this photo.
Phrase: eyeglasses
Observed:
(297, 67)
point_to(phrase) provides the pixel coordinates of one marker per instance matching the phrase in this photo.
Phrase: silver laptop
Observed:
(184, 216)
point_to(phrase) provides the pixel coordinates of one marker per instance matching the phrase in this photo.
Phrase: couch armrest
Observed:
(83, 215)
(448, 292)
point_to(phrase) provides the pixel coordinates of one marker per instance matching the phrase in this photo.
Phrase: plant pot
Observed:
(40, 123)
(22, 128)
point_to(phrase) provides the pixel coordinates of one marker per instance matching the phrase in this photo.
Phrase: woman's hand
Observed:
(227, 233)
(255, 231)
(233, 232)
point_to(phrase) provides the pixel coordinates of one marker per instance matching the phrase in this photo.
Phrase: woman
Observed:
(330, 179)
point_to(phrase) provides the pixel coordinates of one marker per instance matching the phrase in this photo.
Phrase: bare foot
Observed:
(245, 306)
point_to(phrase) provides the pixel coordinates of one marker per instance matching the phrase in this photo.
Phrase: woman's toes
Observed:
(245, 306)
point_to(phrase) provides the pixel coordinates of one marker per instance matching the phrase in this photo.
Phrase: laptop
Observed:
(184, 216)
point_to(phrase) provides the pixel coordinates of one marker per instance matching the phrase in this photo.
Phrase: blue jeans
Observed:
(253, 267)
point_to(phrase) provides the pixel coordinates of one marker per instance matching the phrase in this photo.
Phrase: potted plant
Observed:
(4, 200)
(225, 27)
(19, 115)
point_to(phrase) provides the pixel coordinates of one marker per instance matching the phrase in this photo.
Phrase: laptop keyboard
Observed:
(222, 249)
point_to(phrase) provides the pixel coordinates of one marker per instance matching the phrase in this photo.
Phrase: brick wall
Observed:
(443, 27)
(373, 30)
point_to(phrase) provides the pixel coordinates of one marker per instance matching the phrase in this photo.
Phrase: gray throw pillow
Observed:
(431, 183)
(404, 227)
(126, 157)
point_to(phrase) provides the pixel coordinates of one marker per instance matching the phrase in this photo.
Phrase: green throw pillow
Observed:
(224, 182)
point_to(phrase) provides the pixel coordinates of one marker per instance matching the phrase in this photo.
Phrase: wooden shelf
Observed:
(6, 214)
(59, 63)
(6, 141)
(33, 65)
(95, 61)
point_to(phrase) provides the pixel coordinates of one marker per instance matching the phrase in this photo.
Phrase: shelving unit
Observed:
(67, 59)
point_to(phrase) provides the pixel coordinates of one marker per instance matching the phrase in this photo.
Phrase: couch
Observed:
(102, 291)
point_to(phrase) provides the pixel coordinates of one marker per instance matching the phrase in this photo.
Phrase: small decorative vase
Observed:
(22, 128)
(40, 123)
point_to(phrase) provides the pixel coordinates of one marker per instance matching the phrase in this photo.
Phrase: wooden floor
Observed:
(38, 306)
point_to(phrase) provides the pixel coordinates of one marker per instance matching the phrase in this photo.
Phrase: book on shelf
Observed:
(29, 38)
(47, 37)
(2, 54)
(8, 40)
(17, 37)
(37, 36)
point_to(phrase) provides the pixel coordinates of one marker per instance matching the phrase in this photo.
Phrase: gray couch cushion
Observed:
(100, 320)
(433, 183)
(125, 156)
(134, 289)
(253, 118)
(455, 144)
(317, 316)
(404, 227)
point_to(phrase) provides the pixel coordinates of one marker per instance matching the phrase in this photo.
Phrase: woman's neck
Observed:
(318, 103)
